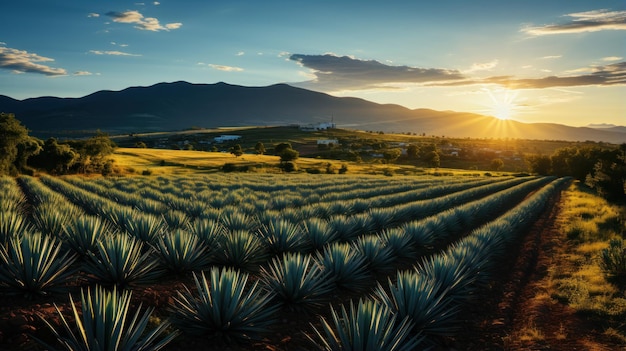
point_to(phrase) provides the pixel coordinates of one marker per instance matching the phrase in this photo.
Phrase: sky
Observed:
(553, 61)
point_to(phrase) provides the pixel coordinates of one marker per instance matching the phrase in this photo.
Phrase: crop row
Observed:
(299, 258)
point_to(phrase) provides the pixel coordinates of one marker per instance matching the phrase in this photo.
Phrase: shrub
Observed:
(613, 260)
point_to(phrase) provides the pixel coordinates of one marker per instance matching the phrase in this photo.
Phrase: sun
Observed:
(503, 105)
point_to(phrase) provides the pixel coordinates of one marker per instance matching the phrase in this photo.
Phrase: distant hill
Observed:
(181, 105)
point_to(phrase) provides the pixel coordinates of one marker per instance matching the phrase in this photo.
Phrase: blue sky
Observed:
(533, 61)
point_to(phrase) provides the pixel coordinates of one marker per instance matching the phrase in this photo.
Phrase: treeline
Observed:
(602, 169)
(22, 153)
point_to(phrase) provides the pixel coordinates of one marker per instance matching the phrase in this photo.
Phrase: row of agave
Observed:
(297, 280)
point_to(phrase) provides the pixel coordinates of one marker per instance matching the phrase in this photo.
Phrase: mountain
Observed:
(181, 105)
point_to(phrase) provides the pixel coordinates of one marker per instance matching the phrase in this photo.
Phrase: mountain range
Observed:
(182, 105)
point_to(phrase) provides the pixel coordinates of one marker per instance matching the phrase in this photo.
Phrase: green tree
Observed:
(412, 151)
(539, 164)
(236, 150)
(55, 158)
(278, 149)
(288, 155)
(432, 159)
(497, 164)
(12, 134)
(391, 155)
(260, 148)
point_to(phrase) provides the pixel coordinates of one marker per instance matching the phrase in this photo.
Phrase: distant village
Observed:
(328, 144)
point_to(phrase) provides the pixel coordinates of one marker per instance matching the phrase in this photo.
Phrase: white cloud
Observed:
(550, 57)
(82, 73)
(21, 61)
(225, 68)
(93, 15)
(612, 58)
(241, 53)
(141, 22)
(485, 66)
(112, 53)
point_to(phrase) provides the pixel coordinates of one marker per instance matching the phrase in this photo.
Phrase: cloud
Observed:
(580, 22)
(346, 73)
(225, 68)
(614, 74)
(240, 53)
(612, 58)
(486, 66)
(550, 57)
(93, 15)
(82, 73)
(20, 61)
(143, 23)
(111, 53)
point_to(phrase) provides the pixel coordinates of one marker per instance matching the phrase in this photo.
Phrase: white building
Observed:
(313, 127)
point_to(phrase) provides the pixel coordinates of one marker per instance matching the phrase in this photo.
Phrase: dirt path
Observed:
(519, 313)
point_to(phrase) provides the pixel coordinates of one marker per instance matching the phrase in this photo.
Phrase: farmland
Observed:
(249, 261)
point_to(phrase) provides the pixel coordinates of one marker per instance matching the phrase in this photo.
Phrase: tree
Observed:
(539, 164)
(412, 151)
(289, 155)
(497, 164)
(278, 149)
(54, 157)
(12, 134)
(259, 148)
(236, 150)
(390, 155)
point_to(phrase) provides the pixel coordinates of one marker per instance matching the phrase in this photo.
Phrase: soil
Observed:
(512, 314)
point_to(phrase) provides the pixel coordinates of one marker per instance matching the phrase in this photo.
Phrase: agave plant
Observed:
(346, 266)
(613, 260)
(399, 243)
(50, 220)
(179, 252)
(146, 227)
(369, 326)
(236, 221)
(12, 224)
(455, 275)
(423, 301)
(319, 233)
(176, 219)
(379, 257)
(104, 322)
(83, 233)
(242, 249)
(121, 261)
(297, 281)
(282, 236)
(32, 264)
(209, 231)
(346, 228)
(225, 308)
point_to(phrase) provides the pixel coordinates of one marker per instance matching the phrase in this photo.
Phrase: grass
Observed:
(166, 161)
(589, 222)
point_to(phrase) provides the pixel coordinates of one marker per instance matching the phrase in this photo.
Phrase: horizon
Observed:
(528, 61)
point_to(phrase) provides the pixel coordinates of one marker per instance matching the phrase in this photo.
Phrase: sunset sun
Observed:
(502, 103)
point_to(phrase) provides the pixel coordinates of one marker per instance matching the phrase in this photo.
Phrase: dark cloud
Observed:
(589, 21)
(20, 61)
(614, 74)
(336, 73)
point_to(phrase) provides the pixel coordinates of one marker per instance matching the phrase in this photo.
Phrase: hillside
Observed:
(181, 105)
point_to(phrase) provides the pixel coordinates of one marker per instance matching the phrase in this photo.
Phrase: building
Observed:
(313, 127)
(327, 141)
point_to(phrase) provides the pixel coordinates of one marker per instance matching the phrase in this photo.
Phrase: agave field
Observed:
(253, 261)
